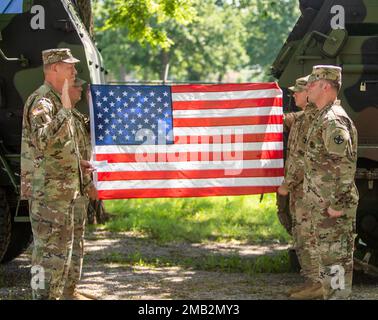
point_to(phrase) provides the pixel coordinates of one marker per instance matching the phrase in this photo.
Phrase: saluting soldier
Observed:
(51, 174)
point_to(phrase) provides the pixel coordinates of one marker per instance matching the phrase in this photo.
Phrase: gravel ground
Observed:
(109, 280)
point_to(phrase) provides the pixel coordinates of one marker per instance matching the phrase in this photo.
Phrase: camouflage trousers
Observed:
(52, 225)
(334, 249)
(303, 235)
(76, 265)
(58, 232)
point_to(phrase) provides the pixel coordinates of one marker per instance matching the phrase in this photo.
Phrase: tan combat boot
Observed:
(73, 294)
(313, 291)
(298, 288)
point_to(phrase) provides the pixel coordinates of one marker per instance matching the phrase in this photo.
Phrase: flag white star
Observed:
(132, 99)
(111, 93)
(165, 94)
(146, 121)
(160, 110)
(140, 126)
(113, 115)
(126, 126)
(106, 120)
(98, 93)
(166, 115)
(159, 99)
(127, 137)
(126, 115)
(152, 104)
(107, 131)
(138, 94)
(100, 138)
(152, 94)
(139, 115)
(133, 110)
(166, 105)
(153, 115)
(99, 104)
(145, 110)
(100, 126)
(114, 137)
(113, 126)
(105, 98)
(99, 115)
(119, 110)
(119, 120)
(125, 104)
(133, 120)
(139, 104)
(106, 109)
(153, 126)
(118, 99)
(145, 99)
(133, 132)
(120, 132)
(112, 104)
(124, 93)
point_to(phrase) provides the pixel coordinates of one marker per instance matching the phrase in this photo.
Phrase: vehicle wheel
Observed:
(283, 211)
(20, 239)
(5, 224)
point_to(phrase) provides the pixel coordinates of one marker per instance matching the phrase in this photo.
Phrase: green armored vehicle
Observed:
(26, 28)
(344, 33)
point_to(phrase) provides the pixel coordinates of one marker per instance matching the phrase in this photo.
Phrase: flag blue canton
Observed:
(132, 115)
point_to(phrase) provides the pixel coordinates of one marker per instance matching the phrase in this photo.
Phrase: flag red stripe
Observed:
(189, 174)
(227, 104)
(191, 156)
(252, 137)
(230, 121)
(223, 87)
(183, 192)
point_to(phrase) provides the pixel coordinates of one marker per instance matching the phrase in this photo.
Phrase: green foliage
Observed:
(278, 263)
(144, 18)
(241, 218)
(197, 40)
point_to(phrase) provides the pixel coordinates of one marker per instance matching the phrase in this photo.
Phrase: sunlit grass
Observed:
(242, 218)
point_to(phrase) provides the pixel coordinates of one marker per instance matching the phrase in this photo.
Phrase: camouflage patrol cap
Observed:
(326, 72)
(300, 84)
(58, 55)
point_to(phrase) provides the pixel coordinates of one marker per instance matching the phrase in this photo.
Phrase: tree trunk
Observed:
(85, 11)
(164, 64)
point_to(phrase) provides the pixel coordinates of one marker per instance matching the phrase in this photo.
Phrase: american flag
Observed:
(187, 140)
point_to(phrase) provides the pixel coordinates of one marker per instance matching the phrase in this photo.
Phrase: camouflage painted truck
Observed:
(26, 28)
(313, 41)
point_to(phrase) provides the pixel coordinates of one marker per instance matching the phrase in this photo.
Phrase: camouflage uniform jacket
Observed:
(330, 159)
(289, 119)
(50, 167)
(296, 147)
(83, 139)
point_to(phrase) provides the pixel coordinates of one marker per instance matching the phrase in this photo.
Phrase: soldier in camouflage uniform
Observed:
(81, 124)
(302, 230)
(330, 192)
(51, 176)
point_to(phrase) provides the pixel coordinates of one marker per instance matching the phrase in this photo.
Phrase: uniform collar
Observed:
(56, 93)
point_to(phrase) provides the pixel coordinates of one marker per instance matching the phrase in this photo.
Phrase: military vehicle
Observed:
(26, 28)
(321, 37)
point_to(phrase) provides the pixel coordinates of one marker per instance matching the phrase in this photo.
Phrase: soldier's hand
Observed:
(93, 194)
(334, 214)
(283, 190)
(66, 101)
(86, 166)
